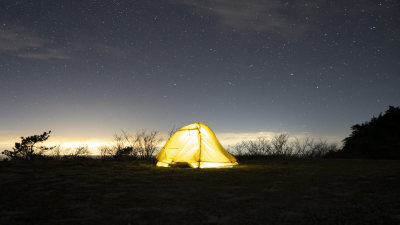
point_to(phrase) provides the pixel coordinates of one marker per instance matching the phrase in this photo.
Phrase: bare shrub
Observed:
(238, 149)
(143, 144)
(106, 151)
(122, 145)
(56, 152)
(252, 148)
(81, 151)
(321, 148)
(301, 148)
(260, 146)
(280, 145)
(147, 143)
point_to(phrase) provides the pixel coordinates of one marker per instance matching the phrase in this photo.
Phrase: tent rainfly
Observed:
(196, 145)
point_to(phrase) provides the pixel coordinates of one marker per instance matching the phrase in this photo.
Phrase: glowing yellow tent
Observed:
(196, 145)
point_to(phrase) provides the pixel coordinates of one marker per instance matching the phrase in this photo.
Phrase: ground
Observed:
(323, 191)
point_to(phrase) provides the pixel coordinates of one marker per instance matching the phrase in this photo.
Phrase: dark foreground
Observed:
(256, 192)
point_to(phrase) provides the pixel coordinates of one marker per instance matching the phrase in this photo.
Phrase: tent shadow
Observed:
(180, 165)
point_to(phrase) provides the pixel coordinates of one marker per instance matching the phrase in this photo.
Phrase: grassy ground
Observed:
(256, 192)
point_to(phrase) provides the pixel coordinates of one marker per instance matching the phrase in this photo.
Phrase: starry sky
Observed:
(89, 68)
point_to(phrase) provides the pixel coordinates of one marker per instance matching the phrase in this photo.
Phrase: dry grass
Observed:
(256, 192)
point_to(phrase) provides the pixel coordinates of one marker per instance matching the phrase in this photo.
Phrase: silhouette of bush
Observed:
(378, 138)
(142, 145)
(106, 151)
(122, 145)
(29, 148)
(80, 152)
(258, 147)
(55, 152)
(309, 148)
(281, 146)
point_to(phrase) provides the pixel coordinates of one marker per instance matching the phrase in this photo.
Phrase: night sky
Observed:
(87, 69)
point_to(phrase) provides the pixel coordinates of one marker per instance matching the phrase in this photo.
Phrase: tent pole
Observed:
(199, 147)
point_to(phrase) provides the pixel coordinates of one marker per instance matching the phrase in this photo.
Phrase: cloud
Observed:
(234, 138)
(272, 16)
(22, 43)
(85, 44)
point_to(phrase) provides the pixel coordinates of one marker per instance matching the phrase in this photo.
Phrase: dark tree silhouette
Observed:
(29, 147)
(377, 138)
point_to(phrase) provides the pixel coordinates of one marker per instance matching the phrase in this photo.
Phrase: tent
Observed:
(196, 145)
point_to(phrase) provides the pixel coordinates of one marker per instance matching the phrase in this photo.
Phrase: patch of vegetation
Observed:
(29, 148)
(142, 145)
(378, 138)
(280, 146)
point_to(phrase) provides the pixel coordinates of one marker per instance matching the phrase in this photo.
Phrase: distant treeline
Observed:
(378, 138)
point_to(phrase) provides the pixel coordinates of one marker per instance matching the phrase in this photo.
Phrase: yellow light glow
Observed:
(161, 164)
(196, 145)
(217, 165)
